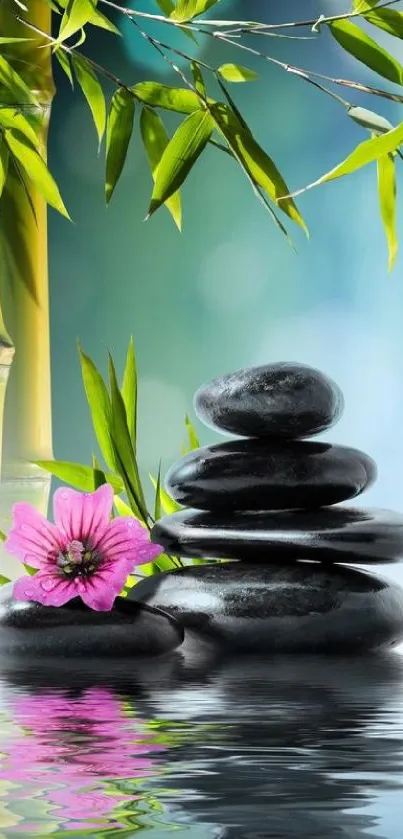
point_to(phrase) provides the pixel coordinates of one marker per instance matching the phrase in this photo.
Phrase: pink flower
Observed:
(84, 554)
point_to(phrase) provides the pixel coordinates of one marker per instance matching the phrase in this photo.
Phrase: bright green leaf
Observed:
(123, 448)
(198, 79)
(387, 203)
(157, 502)
(35, 168)
(12, 87)
(4, 158)
(4, 580)
(168, 505)
(12, 118)
(123, 509)
(254, 160)
(3, 536)
(170, 98)
(76, 16)
(14, 40)
(64, 62)
(155, 140)
(193, 439)
(129, 392)
(390, 20)
(100, 407)
(92, 91)
(367, 152)
(357, 43)
(118, 134)
(237, 73)
(369, 119)
(186, 10)
(103, 22)
(180, 155)
(84, 478)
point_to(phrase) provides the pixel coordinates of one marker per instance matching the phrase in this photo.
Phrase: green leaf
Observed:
(78, 13)
(4, 580)
(367, 152)
(14, 40)
(254, 160)
(64, 62)
(84, 478)
(14, 119)
(166, 6)
(123, 448)
(186, 10)
(387, 204)
(100, 407)
(118, 134)
(369, 119)
(129, 392)
(155, 140)
(4, 158)
(198, 79)
(3, 536)
(389, 20)
(168, 505)
(103, 22)
(92, 91)
(123, 509)
(157, 503)
(35, 168)
(180, 155)
(365, 49)
(170, 98)
(193, 439)
(237, 73)
(12, 87)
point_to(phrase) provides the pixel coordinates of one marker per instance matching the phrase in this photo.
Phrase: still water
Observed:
(238, 749)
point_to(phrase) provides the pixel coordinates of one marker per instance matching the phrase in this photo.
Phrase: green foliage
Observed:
(23, 151)
(118, 134)
(100, 407)
(356, 42)
(155, 140)
(92, 91)
(64, 61)
(13, 89)
(387, 203)
(237, 73)
(186, 10)
(365, 153)
(83, 478)
(77, 14)
(4, 580)
(157, 95)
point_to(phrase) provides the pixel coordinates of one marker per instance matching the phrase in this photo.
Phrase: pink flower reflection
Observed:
(70, 751)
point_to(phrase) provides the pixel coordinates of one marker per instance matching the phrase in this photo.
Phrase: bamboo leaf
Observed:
(64, 62)
(198, 79)
(168, 505)
(103, 22)
(123, 448)
(75, 17)
(369, 119)
(13, 88)
(180, 155)
(118, 134)
(255, 161)
(123, 509)
(3, 536)
(193, 440)
(92, 91)
(35, 168)
(390, 20)
(84, 478)
(13, 40)
(13, 118)
(170, 98)
(99, 404)
(166, 6)
(186, 10)
(367, 152)
(357, 43)
(157, 503)
(387, 204)
(4, 158)
(129, 392)
(237, 73)
(155, 140)
(4, 580)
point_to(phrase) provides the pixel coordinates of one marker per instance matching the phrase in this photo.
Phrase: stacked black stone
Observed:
(266, 502)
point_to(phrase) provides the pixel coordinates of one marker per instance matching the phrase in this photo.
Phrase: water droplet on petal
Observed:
(48, 584)
(23, 527)
(130, 522)
(64, 495)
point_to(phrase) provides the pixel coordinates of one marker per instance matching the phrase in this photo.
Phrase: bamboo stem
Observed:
(24, 289)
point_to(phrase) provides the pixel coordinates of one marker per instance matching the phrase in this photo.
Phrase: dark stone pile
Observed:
(265, 502)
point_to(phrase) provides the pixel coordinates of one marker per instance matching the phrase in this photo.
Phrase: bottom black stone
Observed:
(74, 630)
(275, 608)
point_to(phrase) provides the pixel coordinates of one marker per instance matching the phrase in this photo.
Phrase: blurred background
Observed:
(228, 292)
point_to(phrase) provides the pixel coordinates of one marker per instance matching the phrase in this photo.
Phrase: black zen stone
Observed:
(334, 534)
(129, 629)
(277, 400)
(299, 608)
(269, 475)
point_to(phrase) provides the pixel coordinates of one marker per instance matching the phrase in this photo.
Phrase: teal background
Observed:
(228, 291)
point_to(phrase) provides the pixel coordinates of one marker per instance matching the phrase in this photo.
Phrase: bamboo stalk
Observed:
(24, 289)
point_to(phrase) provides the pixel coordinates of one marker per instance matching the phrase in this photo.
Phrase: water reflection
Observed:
(241, 749)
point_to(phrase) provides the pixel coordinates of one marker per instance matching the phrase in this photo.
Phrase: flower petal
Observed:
(45, 588)
(83, 515)
(126, 539)
(32, 538)
(99, 591)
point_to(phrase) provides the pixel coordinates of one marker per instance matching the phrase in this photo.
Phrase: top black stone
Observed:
(277, 400)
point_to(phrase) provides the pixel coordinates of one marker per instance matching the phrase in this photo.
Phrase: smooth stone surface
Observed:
(276, 400)
(335, 534)
(269, 475)
(73, 630)
(296, 608)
